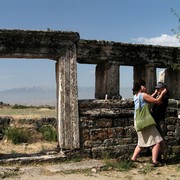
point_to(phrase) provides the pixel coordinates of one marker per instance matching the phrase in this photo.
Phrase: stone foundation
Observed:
(107, 128)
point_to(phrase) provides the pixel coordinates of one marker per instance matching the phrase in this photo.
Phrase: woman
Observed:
(158, 113)
(148, 137)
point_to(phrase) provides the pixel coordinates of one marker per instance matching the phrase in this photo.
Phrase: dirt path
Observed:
(167, 173)
(91, 170)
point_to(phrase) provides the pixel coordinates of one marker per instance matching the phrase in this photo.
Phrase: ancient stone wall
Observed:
(98, 52)
(106, 127)
(66, 48)
(35, 44)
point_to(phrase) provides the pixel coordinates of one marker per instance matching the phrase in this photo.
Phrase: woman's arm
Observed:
(155, 93)
(151, 99)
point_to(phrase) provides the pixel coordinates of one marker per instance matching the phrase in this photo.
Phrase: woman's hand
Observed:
(164, 91)
(154, 93)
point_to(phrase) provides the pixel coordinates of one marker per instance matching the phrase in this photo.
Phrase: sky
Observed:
(130, 21)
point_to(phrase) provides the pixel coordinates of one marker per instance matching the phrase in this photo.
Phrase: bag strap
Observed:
(139, 101)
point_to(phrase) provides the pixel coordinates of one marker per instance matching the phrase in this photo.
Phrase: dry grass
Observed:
(28, 112)
(6, 147)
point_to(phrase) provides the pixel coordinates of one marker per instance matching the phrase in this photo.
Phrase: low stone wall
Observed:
(107, 127)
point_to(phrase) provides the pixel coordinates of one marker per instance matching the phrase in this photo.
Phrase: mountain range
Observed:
(46, 95)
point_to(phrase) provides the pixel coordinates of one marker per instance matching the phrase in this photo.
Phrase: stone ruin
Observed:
(67, 49)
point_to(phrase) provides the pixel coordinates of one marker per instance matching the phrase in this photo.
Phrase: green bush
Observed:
(18, 106)
(17, 135)
(49, 133)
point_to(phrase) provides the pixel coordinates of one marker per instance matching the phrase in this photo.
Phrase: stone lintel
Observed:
(96, 52)
(35, 44)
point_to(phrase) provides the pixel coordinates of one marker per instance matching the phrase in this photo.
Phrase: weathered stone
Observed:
(177, 131)
(108, 142)
(121, 132)
(35, 44)
(86, 123)
(97, 52)
(171, 120)
(111, 151)
(85, 134)
(170, 133)
(103, 122)
(176, 149)
(98, 134)
(115, 132)
(122, 122)
(170, 127)
(5, 120)
(67, 49)
(91, 143)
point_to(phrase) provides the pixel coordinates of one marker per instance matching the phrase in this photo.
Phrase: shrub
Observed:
(18, 106)
(49, 133)
(17, 135)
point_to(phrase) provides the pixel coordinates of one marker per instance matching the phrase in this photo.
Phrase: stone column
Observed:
(107, 81)
(148, 73)
(150, 78)
(67, 100)
(172, 79)
(139, 72)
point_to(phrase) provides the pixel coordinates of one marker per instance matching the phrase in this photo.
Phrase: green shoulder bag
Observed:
(143, 117)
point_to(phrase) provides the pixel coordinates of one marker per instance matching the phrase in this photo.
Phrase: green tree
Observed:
(177, 30)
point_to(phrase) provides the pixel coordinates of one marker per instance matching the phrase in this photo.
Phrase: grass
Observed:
(17, 135)
(125, 165)
(31, 112)
(49, 133)
(74, 159)
(146, 169)
(20, 106)
(8, 174)
(178, 168)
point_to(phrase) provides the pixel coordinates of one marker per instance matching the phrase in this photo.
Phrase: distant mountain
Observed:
(86, 93)
(30, 96)
(89, 92)
(47, 96)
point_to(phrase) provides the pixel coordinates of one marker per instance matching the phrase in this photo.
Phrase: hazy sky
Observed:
(131, 21)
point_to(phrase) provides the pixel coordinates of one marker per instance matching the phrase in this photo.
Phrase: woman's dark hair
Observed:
(142, 82)
(137, 87)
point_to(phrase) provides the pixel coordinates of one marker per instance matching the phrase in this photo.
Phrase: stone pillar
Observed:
(148, 73)
(67, 100)
(139, 72)
(172, 79)
(107, 81)
(150, 78)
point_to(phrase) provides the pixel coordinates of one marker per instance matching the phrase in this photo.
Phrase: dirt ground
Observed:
(168, 172)
(142, 170)
(165, 173)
